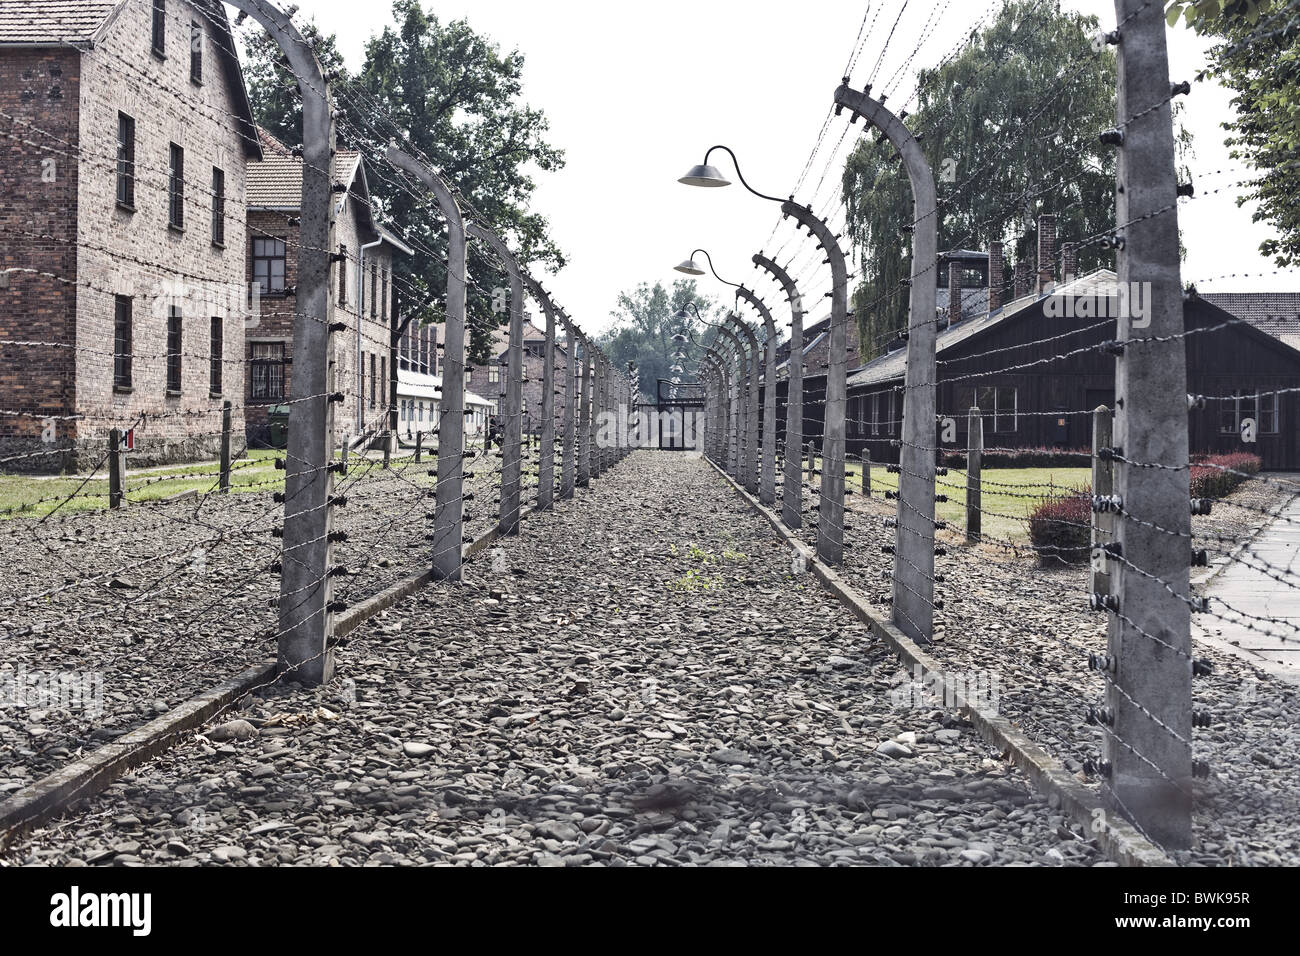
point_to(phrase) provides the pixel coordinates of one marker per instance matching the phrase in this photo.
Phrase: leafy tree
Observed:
(1009, 126)
(272, 88)
(1259, 60)
(644, 325)
(453, 98)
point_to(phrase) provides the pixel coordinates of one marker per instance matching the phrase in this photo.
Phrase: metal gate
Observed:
(678, 413)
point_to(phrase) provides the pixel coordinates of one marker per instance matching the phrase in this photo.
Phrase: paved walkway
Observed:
(637, 679)
(1257, 606)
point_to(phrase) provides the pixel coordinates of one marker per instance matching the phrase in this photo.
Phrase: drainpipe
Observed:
(361, 312)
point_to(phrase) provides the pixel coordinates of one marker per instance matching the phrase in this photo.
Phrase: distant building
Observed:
(125, 130)
(361, 290)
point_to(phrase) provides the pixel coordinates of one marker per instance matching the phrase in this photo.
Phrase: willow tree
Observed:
(1010, 127)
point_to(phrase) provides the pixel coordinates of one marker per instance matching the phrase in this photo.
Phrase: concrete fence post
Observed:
(767, 468)
(546, 441)
(567, 450)
(792, 489)
(227, 410)
(512, 430)
(449, 517)
(419, 441)
(866, 473)
(584, 413)
(116, 467)
(1147, 747)
(306, 606)
(913, 591)
(1103, 485)
(750, 476)
(974, 456)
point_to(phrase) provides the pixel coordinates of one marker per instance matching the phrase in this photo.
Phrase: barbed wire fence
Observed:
(265, 551)
(1125, 690)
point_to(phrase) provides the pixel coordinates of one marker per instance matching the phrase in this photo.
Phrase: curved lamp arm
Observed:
(706, 175)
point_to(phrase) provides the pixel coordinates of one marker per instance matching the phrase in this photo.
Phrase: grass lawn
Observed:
(1008, 495)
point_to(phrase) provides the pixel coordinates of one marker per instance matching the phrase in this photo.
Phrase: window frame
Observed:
(218, 207)
(196, 53)
(343, 276)
(282, 257)
(176, 187)
(158, 29)
(216, 355)
(123, 319)
(264, 367)
(175, 347)
(125, 191)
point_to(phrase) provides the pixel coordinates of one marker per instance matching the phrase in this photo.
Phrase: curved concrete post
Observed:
(306, 606)
(830, 520)
(792, 490)
(739, 425)
(585, 386)
(767, 471)
(913, 605)
(600, 402)
(512, 437)
(722, 402)
(546, 455)
(750, 477)
(568, 425)
(449, 517)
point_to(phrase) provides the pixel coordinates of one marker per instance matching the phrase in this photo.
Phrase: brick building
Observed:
(125, 128)
(361, 290)
(419, 387)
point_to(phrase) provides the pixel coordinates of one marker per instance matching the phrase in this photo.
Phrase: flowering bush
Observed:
(1060, 528)
(1214, 476)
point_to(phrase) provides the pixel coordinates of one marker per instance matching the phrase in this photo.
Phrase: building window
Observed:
(218, 207)
(122, 341)
(196, 53)
(269, 264)
(216, 340)
(266, 371)
(125, 161)
(374, 289)
(174, 348)
(384, 384)
(383, 295)
(1246, 404)
(469, 376)
(176, 188)
(882, 413)
(373, 381)
(160, 27)
(996, 404)
(343, 275)
(494, 373)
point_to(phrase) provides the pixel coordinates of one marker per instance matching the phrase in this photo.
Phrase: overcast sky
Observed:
(636, 92)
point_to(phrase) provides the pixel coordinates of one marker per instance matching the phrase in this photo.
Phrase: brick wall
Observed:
(137, 253)
(274, 321)
(39, 139)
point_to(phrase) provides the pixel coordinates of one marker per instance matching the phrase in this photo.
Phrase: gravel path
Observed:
(641, 678)
(1029, 628)
(163, 600)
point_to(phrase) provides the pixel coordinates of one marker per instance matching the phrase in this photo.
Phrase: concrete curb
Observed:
(50, 796)
(1117, 837)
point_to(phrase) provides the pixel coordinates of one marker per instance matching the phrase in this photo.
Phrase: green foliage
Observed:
(1259, 60)
(1009, 126)
(644, 327)
(455, 98)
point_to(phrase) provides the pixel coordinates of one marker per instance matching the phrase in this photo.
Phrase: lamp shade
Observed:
(689, 267)
(709, 176)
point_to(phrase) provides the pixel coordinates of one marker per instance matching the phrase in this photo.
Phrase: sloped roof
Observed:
(54, 22)
(80, 23)
(1277, 313)
(892, 365)
(276, 182)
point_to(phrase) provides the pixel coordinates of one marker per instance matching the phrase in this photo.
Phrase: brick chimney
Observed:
(996, 269)
(1046, 252)
(1069, 261)
(1021, 279)
(954, 292)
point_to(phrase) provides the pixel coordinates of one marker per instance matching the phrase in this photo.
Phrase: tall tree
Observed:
(644, 325)
(1258, 58)
(1010, 128)
(450, 95)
